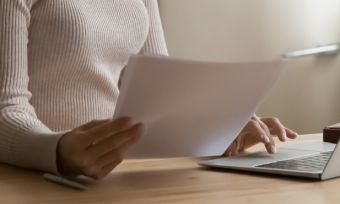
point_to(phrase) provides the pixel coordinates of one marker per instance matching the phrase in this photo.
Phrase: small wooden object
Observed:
(331, 133)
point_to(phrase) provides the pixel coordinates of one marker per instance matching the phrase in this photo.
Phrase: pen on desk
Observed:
(64, 181)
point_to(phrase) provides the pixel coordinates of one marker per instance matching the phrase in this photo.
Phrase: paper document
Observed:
(191, 108)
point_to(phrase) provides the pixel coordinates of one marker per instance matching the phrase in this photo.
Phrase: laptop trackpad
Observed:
(290, 151)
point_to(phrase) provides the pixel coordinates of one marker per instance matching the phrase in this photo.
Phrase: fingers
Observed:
(108, 151)
(114, 141)
(270, 146)
(251, 134)
(276, 128)
(107, 169)
(91, 164)
(291, 134)
(106, 163)
(107, 129)
(255, 129)
(279, 129)
(233, 149)
(97, 172)
(79, 150)
(260, 130)
(115, 154)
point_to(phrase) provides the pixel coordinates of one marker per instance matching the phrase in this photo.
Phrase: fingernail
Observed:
(266, 139)
(272, 149)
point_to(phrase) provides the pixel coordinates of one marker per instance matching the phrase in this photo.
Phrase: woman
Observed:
(60, 63)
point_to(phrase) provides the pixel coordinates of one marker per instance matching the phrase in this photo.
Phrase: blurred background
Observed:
(307, 97)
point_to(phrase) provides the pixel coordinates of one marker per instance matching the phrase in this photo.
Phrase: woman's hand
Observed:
(260, 130)
(96, 148)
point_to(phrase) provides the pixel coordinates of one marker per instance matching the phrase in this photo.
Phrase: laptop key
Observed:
(309, 163)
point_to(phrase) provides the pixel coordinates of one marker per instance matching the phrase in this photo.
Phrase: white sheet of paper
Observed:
(191, 108)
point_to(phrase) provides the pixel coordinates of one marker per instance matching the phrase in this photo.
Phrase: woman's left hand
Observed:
(260, 130)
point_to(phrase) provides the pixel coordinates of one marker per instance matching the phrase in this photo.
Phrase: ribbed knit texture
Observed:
(60, 61)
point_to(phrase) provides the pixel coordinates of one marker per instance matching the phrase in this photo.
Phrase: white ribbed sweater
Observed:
(60, 61)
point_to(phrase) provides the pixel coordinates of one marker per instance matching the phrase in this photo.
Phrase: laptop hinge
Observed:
(332, 168)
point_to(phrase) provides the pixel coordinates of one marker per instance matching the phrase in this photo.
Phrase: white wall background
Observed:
(308, 97)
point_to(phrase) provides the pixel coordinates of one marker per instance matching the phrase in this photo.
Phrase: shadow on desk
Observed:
(260, 174)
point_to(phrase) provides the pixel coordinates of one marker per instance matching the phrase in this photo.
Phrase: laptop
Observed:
(313, 159)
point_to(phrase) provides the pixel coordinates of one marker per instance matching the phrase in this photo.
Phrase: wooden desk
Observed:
(169, 181)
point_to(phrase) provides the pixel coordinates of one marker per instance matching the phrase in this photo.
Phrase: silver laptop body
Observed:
(316, 160)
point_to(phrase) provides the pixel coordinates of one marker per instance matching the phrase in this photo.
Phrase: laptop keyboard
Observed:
(315, 163)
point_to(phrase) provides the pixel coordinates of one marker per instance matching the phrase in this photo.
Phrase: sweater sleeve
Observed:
(155, 42)
(24, 140)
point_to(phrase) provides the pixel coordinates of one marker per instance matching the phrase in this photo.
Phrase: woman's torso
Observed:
(76, 51)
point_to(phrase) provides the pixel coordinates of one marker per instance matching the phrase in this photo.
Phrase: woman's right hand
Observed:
(96, 148)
